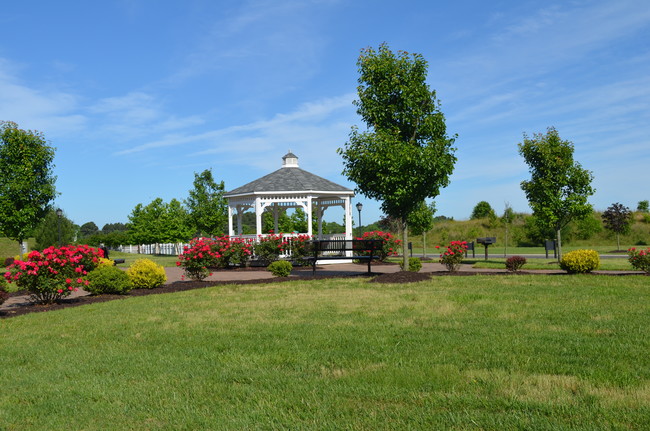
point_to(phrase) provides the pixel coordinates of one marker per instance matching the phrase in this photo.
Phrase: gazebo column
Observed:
(309, 216)
(320, 212)
(348, 218)
(231, 231)
(258, 216)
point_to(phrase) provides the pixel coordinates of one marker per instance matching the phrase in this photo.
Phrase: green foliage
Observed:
(405, 155)
(580, 261)
(87, 229)
(559, 187)
(415, 264)
(146, 274)
(47, 232)
(643, 206)
(453, 256)
(207, 208)
(280, 268)
(421, 219)
(482, 210)
(26, 180)
(515, 263)
(159, 222)
(639, 259)
(108, 279)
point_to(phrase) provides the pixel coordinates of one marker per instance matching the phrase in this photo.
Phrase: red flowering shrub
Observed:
(640, 259)
(270, 247)
(55, 272)
(390, 247)
(204, 254)
(515, 263)
(453, 256)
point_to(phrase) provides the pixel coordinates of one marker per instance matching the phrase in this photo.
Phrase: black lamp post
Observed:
(359, 208)
(59, 213)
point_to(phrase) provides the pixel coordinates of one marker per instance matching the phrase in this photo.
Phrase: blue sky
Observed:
(137, 95)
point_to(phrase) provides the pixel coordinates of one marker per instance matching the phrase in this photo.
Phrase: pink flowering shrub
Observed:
(390, 247)
(54, 273)
(205, 254)
(640, 259)
(453, 256)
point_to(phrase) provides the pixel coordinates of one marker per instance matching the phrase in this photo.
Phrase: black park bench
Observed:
(337, 249)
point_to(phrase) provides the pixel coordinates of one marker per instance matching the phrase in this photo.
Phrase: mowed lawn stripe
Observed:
(487, 352)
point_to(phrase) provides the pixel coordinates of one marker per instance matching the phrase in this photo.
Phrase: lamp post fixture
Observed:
(359, 208)
(59, 213)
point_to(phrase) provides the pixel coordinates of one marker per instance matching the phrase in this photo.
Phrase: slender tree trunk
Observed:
(424, 245)
(618, 242)
(559, 245)
(405, 245)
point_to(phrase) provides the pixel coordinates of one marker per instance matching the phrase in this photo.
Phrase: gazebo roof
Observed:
(289, 178)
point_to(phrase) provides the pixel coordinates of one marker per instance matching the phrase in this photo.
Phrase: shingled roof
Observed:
(289, 178)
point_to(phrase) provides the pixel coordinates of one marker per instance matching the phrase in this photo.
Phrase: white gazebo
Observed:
(288, 187)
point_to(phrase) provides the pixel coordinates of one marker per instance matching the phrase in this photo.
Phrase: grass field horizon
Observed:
(483, 352)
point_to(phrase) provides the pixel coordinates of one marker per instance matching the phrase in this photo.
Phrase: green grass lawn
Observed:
(481, 352)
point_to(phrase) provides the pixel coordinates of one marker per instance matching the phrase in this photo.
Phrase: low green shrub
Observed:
(389, 248)
(515, 263)
(108, 280)
(146, 274)
(415, 264)
(580, 261)
(280, 268)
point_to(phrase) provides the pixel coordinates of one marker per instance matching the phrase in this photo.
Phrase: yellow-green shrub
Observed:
(146, 274)
(105, 262)
(580, 261)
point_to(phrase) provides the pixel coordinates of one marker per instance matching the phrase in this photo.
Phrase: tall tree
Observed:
(559, 187)
(208, 209)
(54, 230)
(643, 206)
(87, 229)
(482, 210)
(159, 222)
(405, 155)
(420, 221)
(26, 180)
(617, 218)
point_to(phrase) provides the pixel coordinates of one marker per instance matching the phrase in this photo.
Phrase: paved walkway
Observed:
(340, 269)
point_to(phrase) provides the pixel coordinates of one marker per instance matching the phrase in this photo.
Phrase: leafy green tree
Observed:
(482, 210)
(26, 180)
(88, 229)
(559, 187)
(405, 155)
(159, 222)
(114, 227)
(47, 232)
(420, 221)
(618, 219)
(643, 206)
(208, 209)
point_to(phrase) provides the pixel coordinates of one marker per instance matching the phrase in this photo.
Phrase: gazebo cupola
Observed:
(288, 187)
